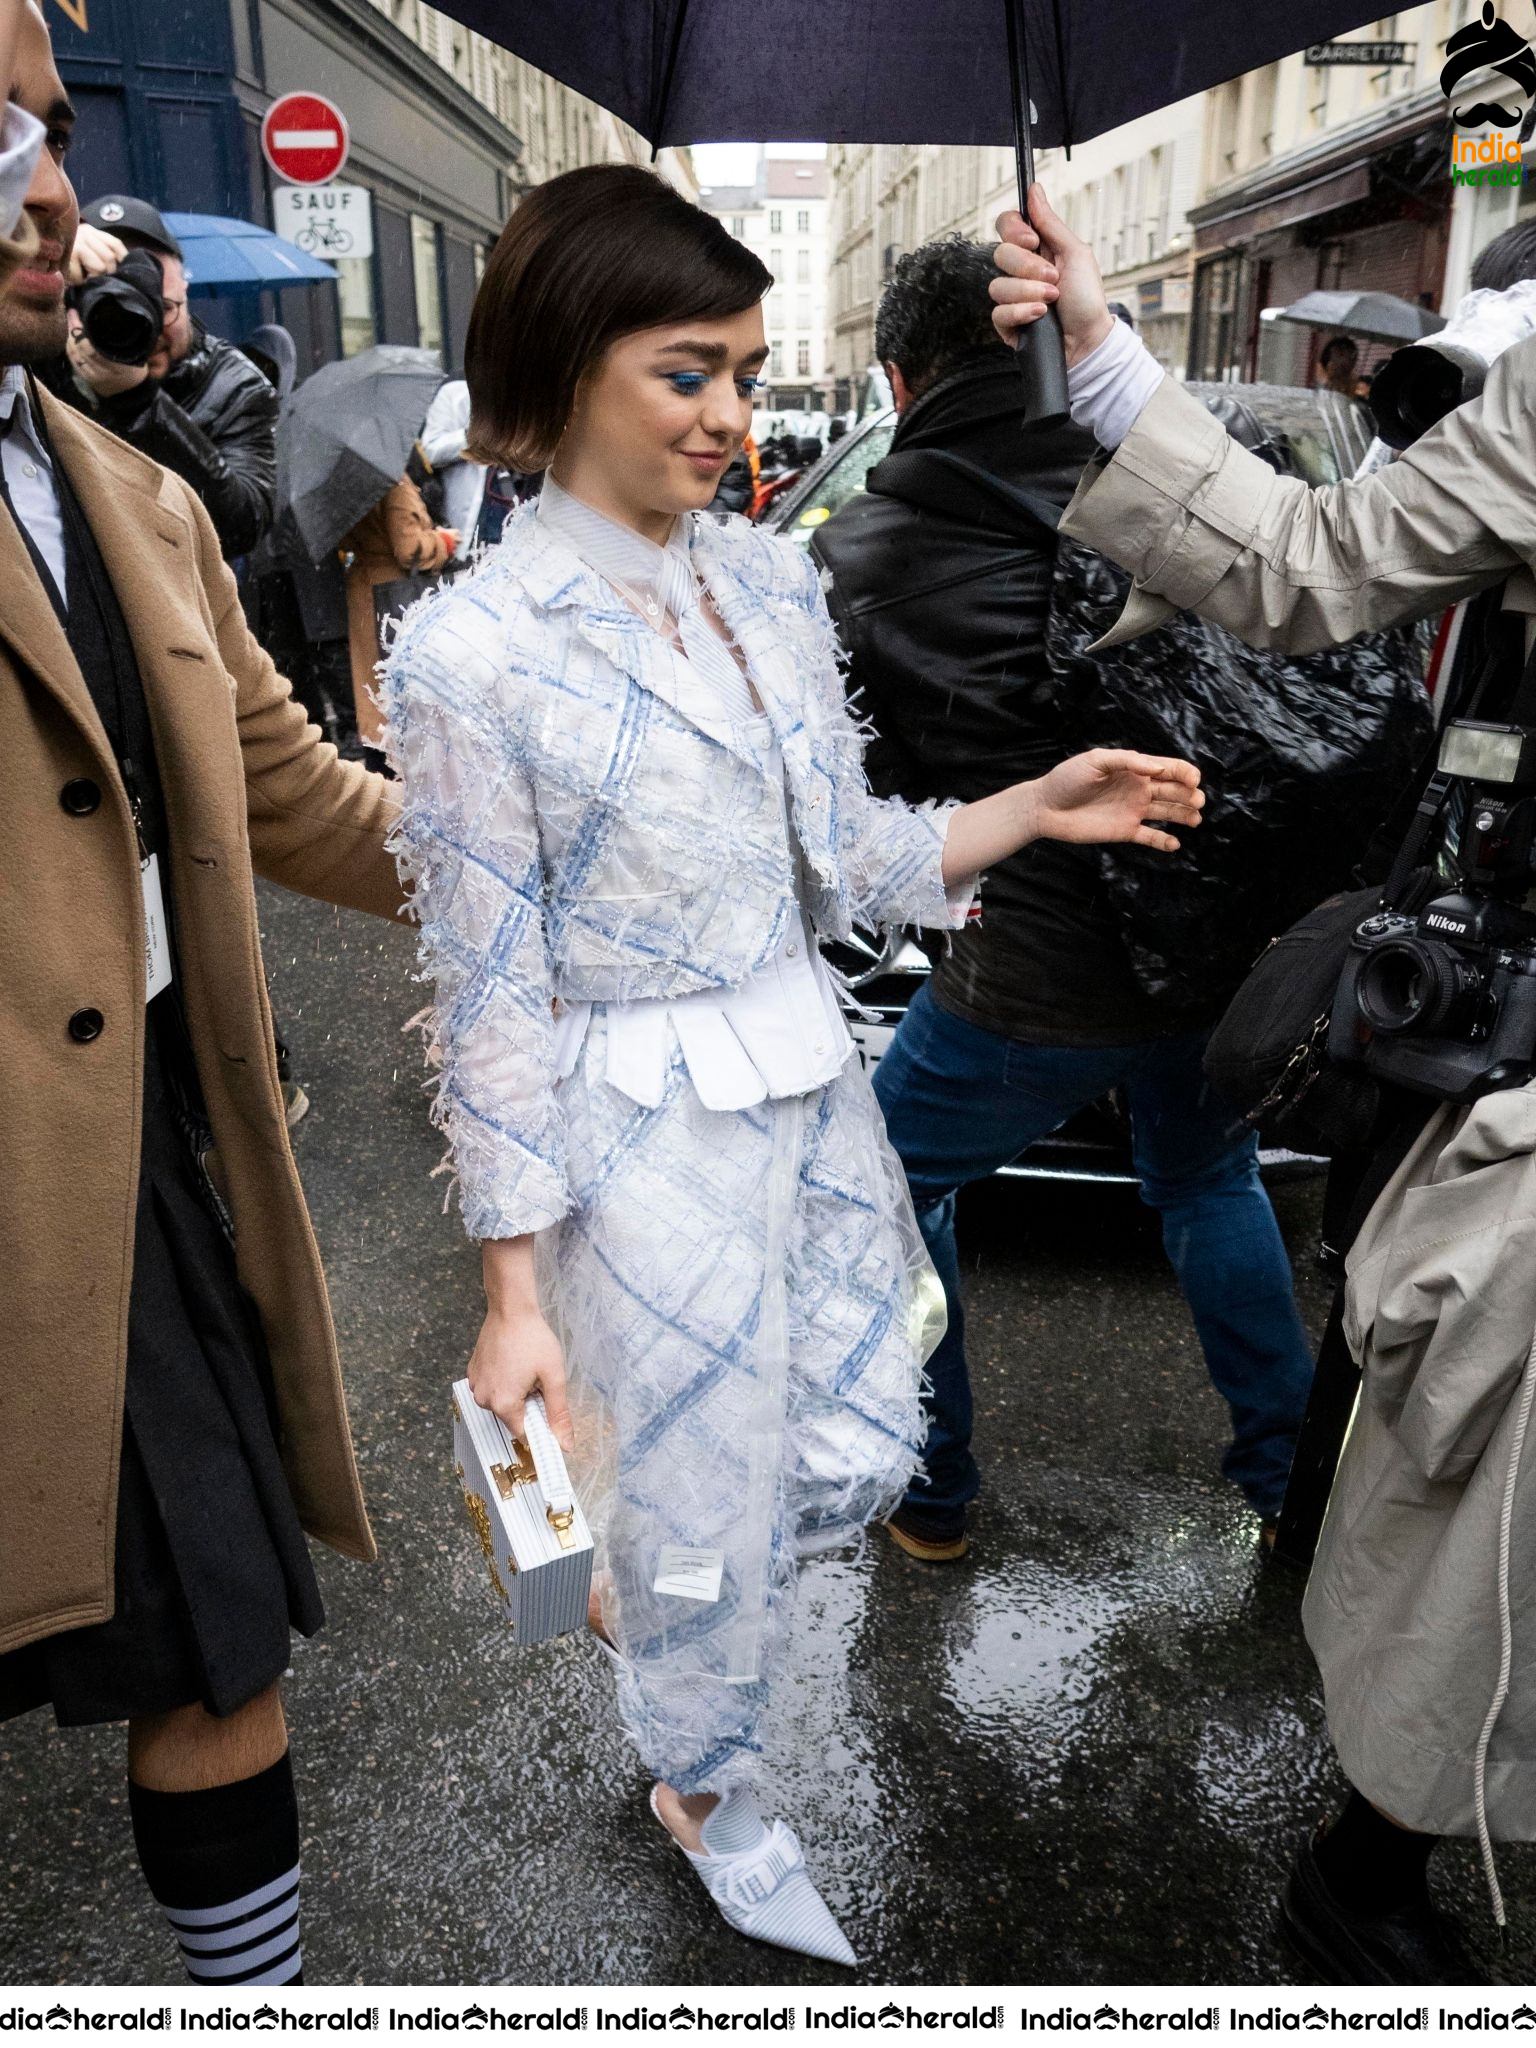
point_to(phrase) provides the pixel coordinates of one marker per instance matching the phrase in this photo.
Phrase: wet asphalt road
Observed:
(1084, 1756)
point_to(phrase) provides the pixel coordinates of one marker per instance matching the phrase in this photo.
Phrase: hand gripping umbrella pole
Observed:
(1039, 348)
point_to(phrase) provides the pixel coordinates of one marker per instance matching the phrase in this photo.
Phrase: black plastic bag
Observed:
(1302, 757)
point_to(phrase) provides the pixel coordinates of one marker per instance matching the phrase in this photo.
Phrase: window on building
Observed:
(1265, 92)
(803, 358)
(1227, 108)
(803, 310)
(776, 262)
(429, 295)
(775, 359)
(776, 222)
(803, 221)
(738, 225)
(1317, 109)
(354, 291)
(803, 266)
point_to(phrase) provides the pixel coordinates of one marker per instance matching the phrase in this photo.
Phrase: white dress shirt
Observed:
(781, 1032)
(443, 439)
(1109, 386)
(29, 474)
(21, 144)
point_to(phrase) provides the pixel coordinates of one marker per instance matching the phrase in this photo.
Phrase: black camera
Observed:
(1418, 385)
(123, 313)
(1441, 999)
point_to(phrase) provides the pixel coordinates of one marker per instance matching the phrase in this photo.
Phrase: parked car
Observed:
(1316, 435)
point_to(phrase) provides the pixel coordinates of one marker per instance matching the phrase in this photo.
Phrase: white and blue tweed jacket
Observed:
(572, 835)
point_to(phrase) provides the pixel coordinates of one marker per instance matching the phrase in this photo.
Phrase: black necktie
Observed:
(55, 596)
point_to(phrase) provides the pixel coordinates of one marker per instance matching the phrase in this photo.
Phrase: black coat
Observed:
(941, 577)
(212, 419)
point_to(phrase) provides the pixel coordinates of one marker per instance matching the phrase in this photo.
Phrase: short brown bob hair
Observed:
(587, 257)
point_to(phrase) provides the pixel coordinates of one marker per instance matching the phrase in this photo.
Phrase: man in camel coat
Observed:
(171, 1409)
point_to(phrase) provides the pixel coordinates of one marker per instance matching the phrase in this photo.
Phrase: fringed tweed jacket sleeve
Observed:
(890, 852)
(468, 836)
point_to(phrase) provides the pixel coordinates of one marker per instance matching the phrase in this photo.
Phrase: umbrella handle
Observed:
(1041, 354)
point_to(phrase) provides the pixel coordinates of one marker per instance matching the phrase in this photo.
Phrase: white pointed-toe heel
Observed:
(758, 1879)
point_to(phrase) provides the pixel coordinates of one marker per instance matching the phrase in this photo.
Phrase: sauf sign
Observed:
(304, 138)
(325, 220)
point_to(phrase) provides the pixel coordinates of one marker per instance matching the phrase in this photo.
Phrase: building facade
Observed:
(447, 130)
(884, 200)
(794, 217)
(1128, 193)
(782, 218)
(1321, 172)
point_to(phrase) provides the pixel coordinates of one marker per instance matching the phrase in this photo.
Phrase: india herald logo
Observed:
(1489, 76)
(1490, 46)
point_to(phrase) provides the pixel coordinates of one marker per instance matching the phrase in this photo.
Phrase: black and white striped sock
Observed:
(224, 1868)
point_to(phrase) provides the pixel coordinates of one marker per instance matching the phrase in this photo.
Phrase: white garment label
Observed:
(689, 1574)
(157, 936)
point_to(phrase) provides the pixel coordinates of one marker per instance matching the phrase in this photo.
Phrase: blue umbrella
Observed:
(235, 255)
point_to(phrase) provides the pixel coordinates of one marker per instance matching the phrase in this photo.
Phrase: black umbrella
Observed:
(960, 71)
(345, 439)
(1378, 316)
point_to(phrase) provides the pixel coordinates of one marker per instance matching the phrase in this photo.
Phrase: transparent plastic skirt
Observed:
(746, 1308)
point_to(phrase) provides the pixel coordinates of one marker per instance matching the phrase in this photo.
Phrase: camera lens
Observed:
(119, 324)
(1418, 385)
(123, 313)
(1407, 986)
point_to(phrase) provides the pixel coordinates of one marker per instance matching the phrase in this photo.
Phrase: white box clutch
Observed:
(537, 1546)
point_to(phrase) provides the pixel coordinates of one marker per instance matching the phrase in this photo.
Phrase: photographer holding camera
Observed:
(139, 364)
(1419, 1605)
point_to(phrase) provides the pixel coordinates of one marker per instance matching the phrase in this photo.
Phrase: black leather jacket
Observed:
(941, 575)
(212, 419)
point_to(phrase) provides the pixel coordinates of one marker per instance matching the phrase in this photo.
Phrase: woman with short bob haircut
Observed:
(633, 802)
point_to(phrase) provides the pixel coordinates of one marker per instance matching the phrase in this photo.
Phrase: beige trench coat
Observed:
(247, 782)
(1402, 1610)
(1205, 526)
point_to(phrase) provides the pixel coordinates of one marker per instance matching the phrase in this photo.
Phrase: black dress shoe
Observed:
(1414, 1945)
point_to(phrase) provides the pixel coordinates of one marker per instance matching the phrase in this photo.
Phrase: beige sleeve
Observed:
(1205, 526)
(317, 824)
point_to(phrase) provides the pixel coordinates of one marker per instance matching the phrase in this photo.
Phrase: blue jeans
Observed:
(960, 1102)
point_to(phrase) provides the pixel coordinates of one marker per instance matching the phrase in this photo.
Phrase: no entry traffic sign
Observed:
(304, 138)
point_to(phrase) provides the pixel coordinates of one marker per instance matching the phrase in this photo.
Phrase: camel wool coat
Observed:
(247, 783)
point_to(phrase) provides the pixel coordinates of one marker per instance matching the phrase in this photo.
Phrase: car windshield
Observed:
(1324, 438)
(837, 478)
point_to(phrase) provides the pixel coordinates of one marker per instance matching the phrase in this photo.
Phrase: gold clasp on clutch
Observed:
(518, 1473)
(480, 1515)
(561, 1524)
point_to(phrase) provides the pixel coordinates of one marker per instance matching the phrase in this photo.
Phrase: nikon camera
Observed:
(1442, 1000)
